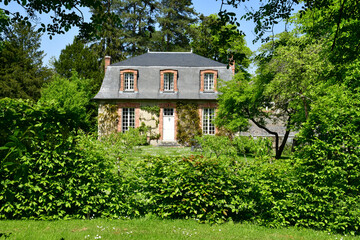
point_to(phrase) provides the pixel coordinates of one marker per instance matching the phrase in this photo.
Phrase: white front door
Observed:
(168, 125)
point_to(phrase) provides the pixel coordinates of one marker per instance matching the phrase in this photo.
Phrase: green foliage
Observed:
(21, 72)
(46, 171)
(224, 147)
(206, 40)
(174, 18)
(62, 18)
(327, 164)
(155, 110)
(188, 124)
(191, 187)
(218, 145)
(138, 23)
(78, 57)
(71, 96)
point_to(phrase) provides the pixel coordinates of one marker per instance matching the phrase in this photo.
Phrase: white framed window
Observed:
(128, 118)
(208, 81)
(129, 81)
(168, 81)
(208, 118)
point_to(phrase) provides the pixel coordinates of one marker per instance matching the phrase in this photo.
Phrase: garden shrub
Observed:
(327, 164)
(222, 146)
(218, 145)
(47, 171)
(191, 187)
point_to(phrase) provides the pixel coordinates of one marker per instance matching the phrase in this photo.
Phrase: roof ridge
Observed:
(191, 51)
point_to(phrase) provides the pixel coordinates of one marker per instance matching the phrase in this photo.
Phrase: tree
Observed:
(82, 59)
(206, 41)
(108, 39)
(285, 85)
(21, 70)
(71, 96)
(174, 19)
(138, 22)
(335, 20)
(64, 14)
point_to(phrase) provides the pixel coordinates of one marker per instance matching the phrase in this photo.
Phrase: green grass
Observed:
(151, 229)
(143, 151)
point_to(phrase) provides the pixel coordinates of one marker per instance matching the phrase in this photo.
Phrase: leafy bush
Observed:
(260, 148)
(46, 170)
(327, 164)
(73, 97)
(218, 145)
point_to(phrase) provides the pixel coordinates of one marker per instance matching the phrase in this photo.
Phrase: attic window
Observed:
(128, 80)
(168, 81)
(208, 80)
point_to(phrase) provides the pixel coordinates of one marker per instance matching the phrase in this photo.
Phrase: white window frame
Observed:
(129, 81)
(208, 117)
(168, 82)
(208, 82)
(128, 119)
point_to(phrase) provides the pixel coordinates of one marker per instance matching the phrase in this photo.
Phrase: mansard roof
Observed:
(179, 59)
(148, 67)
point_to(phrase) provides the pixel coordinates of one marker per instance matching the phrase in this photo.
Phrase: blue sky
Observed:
(52, 48)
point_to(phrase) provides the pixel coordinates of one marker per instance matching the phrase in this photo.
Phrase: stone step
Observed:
(169, 144)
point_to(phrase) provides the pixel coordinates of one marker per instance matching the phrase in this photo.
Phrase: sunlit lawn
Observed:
(143, 151)
(150, 229)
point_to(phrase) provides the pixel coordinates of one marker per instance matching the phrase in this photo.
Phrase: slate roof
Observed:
(188, 65)
(180, 59)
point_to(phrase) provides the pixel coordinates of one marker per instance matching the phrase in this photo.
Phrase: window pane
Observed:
(208, 81)
(168, 81)
(129, 81)
(168, 112)
(128, 119)
(208, 118)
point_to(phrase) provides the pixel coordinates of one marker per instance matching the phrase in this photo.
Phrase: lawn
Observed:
(149, 228)
(143, 151)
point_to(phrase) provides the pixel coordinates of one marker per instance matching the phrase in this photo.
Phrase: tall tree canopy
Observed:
(174, 18)
(82, 59)
(206, 41)
(288, 72)
(138, 23)
(64, 14)
(21, 71)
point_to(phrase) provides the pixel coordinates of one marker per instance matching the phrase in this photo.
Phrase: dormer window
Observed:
(208, 80)
(168, 81)
(128, 80)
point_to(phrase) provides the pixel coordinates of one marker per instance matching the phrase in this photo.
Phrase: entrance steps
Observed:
(169, 144)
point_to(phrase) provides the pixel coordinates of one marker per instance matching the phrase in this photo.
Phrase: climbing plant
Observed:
(188, 124)
(107, 119)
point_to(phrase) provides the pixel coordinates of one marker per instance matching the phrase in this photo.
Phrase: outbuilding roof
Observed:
(179, 59)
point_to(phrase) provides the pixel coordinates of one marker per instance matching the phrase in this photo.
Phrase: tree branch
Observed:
(338, 24)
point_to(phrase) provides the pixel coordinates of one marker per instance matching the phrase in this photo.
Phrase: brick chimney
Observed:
(107, 61)
(232, 64)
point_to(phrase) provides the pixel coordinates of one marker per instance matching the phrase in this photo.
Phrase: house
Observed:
(146, 91)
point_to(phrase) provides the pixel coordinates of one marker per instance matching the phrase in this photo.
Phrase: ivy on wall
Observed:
(154, 110)
(188, 124)
(108, 119)
(151, 131)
